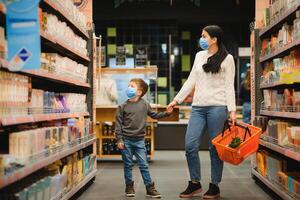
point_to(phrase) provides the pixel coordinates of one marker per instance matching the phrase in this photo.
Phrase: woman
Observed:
(245, 97)
(212, 76)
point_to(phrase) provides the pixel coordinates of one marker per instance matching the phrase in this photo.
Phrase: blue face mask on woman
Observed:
(131, 92)
(203, 43)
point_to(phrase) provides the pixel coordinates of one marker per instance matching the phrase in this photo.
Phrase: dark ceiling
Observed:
(184, 11)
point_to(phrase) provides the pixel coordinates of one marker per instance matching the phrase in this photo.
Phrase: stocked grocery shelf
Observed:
(48, 76)
(51, 5)
(280, 191)
(279, 20)
(280, 51)
(293, 115)
(270, 85)
(87, 179)
(62, 47)
(14, 120)
(55, 77)
(25, 171)
(288, 152)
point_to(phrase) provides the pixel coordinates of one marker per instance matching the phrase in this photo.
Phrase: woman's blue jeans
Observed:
(212, 119)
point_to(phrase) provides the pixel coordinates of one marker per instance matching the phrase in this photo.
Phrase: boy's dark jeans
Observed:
(137, 148)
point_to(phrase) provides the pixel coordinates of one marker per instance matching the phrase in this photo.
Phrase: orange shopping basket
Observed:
(250, 141)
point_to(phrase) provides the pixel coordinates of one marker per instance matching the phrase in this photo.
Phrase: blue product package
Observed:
(23, 34)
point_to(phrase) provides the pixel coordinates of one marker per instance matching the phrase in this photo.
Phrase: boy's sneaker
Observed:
(192, 189)
(213, 192)
(152, 192)
(130, 190)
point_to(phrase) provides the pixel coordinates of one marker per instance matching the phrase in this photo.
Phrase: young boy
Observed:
(131, 120)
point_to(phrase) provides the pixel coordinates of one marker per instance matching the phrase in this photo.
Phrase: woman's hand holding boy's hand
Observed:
(172, 105)
(121, 146)
(169, 110)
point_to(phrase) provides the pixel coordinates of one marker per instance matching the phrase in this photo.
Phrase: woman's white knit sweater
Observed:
(210, 89)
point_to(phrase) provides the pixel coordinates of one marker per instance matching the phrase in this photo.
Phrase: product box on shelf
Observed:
(63, 66)
(293, 133)
(261, 163)
(60, 31)
(3, 49)
(54, 181)
(280, 100)
(273, 166)
(290, 181)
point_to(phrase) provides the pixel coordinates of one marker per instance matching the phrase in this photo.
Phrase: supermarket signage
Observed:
(23, 34)
(141, 56)
(121, 56)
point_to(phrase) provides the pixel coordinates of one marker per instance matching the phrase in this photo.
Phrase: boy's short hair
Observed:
(141, 84)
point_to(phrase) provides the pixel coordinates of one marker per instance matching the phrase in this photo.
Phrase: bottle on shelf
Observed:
(296, 25)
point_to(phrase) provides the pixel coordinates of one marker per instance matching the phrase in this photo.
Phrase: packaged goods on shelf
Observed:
(286, 100)
(60, 31)
(282, 70)
(72, 11)
(262, 122)
(14, 87)
(3, 48)
(261, 162)
(63, 66)
(273, 166)
(50, 102)
(55, 181)
(14, 94)
(110, 147)
(108, 129)
(36, 143)
(277, 8)
(275, 169)
(279, 131)
(74, 102)
(290, 181)
(293, 133)
(296, 25)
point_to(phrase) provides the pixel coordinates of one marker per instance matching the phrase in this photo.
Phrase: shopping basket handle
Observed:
(237, 124)
(247, 130)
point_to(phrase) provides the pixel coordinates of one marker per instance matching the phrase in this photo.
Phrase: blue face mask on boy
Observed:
(131, 92)
(203, 43)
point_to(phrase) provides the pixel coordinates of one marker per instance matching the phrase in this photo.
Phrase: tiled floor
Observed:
(170, 173)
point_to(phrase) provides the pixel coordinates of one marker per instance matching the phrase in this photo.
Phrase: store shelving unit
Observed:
(279, 21)
(43, 162)
(49, 76)
(267, 143)
(293, 115)
(288, 151)
(280, 51)
(58, 10)
(15, 120)
(56, 46)
(62, 47)
(86, 180)
(273, 186)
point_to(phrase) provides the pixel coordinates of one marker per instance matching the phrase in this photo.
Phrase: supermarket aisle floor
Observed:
(170, 173)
